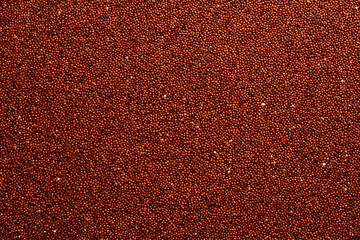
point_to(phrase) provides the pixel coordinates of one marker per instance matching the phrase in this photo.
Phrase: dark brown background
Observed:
(179, 119)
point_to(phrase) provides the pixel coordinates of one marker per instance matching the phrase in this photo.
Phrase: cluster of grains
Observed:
(168, 119)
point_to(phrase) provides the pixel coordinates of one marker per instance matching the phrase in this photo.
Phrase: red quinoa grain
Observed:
(179, 119)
